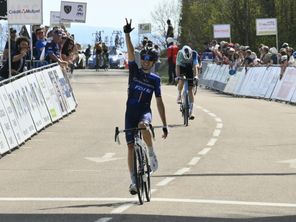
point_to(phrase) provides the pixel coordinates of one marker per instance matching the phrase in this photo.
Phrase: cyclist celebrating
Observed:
(187, 65)
(142, 84)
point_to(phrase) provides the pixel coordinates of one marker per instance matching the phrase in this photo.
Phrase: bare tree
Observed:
(168, 9)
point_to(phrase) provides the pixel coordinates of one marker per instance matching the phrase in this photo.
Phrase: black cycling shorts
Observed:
(188, 72)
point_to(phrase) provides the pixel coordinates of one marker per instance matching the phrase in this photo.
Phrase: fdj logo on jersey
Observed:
(143, 89)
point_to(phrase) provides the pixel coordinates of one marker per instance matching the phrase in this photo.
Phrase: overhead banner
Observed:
(55, 20)
(266, 26)
(73, 12)
(144, 28)
(222, 31)
(24, 12)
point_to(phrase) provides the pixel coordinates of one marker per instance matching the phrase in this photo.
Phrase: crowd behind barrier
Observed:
(258, 82)
(31, 101)
(54, 45)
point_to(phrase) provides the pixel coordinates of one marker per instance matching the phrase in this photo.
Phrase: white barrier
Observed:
(31, 102)
(258, 82)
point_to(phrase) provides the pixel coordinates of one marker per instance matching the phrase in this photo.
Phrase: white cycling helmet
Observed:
(186, 52)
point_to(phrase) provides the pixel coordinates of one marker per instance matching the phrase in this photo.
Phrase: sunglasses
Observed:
(147, 58)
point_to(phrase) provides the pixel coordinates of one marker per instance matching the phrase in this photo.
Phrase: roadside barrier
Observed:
(256, 82)
(31, 101)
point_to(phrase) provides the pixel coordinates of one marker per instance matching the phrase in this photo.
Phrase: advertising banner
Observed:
(12, 113)
(222, 31)
(19, 99)
(37, 100)
(49, 96)
(50, 76)
(73, 12)
(286, 86)
(24, 12)
(144, 28)
(6, 124)
(55, 20)
(266, 26)
(27, 98)
(65, 88)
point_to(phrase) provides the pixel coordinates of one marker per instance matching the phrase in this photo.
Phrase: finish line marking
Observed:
(133, 201)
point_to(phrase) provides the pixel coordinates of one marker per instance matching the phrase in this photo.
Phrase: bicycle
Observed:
(185, 102)
(141, 162)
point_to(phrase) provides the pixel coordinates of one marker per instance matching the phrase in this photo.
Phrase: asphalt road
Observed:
(235, 162)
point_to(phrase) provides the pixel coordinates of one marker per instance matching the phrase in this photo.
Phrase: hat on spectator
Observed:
(273, 50)
(12, 30)
(284, 58)
(231, 50)
(170, 40)
(285, 45)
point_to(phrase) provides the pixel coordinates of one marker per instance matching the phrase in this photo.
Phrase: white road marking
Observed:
(212, 142)
(212, 114)
(106, 158)
(182, 171)
(204, 151)
(165, 181)
(134, 201)
(194, 161)
(219, 125)
(218, 120)
(121, 209)
(291, 162)
(217, 132)
(153, 190)
(206, 111)
(104, 219)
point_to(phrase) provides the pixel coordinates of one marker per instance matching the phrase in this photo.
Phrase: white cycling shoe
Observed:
(153, 162)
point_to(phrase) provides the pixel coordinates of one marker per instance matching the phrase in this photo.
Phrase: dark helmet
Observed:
(149, 54)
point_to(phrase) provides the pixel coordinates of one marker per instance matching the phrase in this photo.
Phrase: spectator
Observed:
(170, 31)
(53, 49)
(158, 62)
(40, 43)
(172, 52)
(274, 55)
(283, 61)
(87, 53)
(13, 47)
(18, 59)
(265, 58)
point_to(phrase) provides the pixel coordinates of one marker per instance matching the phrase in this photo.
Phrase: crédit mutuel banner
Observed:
(24, 12)
(73, 12)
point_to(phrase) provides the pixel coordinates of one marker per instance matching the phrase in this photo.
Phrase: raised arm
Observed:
(130, 48)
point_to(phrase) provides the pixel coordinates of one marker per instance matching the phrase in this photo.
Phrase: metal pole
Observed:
(9, 53)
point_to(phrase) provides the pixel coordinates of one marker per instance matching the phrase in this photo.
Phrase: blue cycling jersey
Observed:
(141, 86)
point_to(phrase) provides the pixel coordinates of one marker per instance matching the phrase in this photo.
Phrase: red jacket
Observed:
(172, 52)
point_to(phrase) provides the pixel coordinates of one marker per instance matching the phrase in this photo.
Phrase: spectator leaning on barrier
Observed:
(53, 49)
(274, 55)
(12, 44)
(290, 51)
(265, 58)
(283, 61)
(18, 59)
(40, 43)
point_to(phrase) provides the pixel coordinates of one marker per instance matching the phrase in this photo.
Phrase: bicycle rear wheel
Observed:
(186, 109)
(138, 166)
(146, 178)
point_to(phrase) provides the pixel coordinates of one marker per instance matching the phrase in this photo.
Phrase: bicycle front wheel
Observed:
(186, 109)
(146, 178)
(138, 166)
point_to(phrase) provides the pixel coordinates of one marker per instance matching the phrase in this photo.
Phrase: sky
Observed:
(108, 13)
